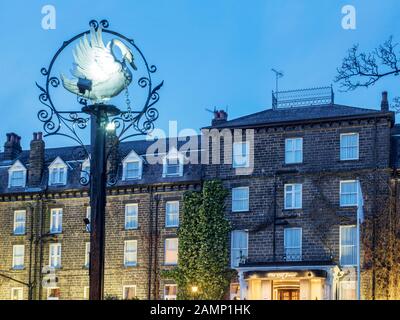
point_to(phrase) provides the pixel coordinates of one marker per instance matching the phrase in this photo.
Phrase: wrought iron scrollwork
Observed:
(140, 120)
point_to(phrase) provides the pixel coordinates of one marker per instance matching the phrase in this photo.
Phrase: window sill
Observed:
(18, 268)
(171, 227)
(292, 164)
(240, 211)
(348, 160)
(130, 266)
(19, 234)
(131, 229)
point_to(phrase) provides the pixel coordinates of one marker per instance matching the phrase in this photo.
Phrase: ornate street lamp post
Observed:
(99, 75)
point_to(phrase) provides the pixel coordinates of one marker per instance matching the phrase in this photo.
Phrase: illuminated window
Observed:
(170, 291)
(347, 290)
(239, 247)
(130, 253)
(17, 293)
(172, 214)
(55, 255)
(19, 221)
(349, 146)
(292, 244)
(87, 254)
(53, 293)
(129, 292)
(240, 156)
(293, 150)
(171, 251)
(56, 220)
(131, 216)
(293, 196)
(348, 245)
(240, 199)
(86, 293)
(18, 256)
(348, 193)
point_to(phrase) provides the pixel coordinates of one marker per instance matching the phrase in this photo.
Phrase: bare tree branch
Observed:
(360, 69)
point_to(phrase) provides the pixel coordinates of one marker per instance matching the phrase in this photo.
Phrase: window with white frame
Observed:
(293, 196)
(241, 153)
(171, 251)
(348, 193)
(17, 293)
(240, 199)
(347, 290)
(349, 145)
(56, 220)
(55, 255)
(19, 221)
(129, 292)
(87, 254)
(86, 293)
(239, 247)
(53, 293)
(293, 150)
(172, 214)
(88, 217)
(17, 175)
(173, 164)
(292, 244)
(132, 166)
(348, 245)
(130, 253)
(131, 216)
(170, 291)
(58, 172)
(85, 173)
(18, 256)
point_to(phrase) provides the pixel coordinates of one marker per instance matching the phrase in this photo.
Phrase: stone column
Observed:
(243, 286)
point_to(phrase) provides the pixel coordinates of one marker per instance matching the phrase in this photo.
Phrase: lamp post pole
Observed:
(98, 181)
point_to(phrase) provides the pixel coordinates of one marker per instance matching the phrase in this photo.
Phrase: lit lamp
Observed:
(195, 289)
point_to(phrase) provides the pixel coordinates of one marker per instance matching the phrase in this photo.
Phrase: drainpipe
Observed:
(156, 240)
(150, 271)
(274, 222)
(31, 243)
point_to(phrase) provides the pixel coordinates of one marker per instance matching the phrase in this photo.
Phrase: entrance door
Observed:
(288, 294)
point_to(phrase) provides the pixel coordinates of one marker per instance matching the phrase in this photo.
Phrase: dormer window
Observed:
(85, 172)
(58, 172)
(132, 166)
(17, 175)
(173, 164)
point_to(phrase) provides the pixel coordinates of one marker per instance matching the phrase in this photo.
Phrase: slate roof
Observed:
(151, 173)
(298, 114)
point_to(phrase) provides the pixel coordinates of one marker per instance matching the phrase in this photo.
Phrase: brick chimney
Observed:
(384, 102)
(12, 147)
(36, 160)
(219, 117)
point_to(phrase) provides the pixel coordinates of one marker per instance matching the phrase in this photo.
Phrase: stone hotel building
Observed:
(292, 206)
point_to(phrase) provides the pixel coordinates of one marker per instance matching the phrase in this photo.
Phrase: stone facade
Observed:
(266, 271)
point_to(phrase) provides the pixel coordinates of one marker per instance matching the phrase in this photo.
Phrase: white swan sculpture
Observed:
(99, 75)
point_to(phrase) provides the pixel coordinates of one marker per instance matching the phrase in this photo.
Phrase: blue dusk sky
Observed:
(210, 53)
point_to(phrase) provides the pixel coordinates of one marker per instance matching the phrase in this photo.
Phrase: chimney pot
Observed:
(384, 102)
(220, 116)
(12, 147)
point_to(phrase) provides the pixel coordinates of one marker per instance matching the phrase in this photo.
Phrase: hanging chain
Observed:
(127, 99)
